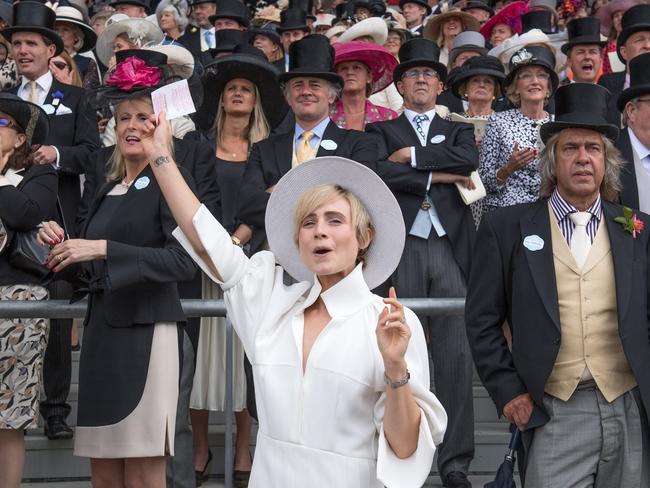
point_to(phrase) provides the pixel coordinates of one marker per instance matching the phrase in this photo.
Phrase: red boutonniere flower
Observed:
(132, 73)
(630, 222)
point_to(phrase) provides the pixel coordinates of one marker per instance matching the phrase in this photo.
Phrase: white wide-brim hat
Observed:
(373, 27)
(385, 251)
(510, 46)
(141, 32)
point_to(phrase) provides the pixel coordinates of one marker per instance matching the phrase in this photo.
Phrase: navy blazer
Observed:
(516, 284)
(457, 154)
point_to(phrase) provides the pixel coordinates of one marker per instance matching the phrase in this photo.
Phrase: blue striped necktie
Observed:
(419, 120)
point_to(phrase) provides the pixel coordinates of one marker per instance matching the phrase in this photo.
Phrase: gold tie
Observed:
(304, 148)
(33, 93)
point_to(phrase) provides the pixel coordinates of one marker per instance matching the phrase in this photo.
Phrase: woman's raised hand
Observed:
(158, 136)
(393, 335)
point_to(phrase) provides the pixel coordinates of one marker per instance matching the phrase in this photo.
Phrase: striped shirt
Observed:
(561, 208)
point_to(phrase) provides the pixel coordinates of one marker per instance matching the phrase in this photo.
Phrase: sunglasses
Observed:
(60, 65)
(6, 122)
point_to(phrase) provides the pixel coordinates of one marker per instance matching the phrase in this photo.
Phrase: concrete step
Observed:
(47, 459)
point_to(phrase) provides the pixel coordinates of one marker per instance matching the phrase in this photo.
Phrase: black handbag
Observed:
(26, 253)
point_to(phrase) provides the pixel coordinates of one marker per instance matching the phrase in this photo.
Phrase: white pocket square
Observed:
(63, 110)
(48, 108)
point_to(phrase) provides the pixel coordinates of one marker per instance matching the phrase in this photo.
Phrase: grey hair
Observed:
(609, 188)
(178, 9)
(334, 89)
(635, 102)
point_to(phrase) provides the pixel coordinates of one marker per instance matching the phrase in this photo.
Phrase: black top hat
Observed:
(31, 118)
(35, 17)
(116, 92)
(571, 111)
(306, 6)
(138, 3)
(231, 9)
(585, 30)
(293, 19)
(312, 56)
(421, 3)
(7, 12)
(635, 19)
(478, 65)
(639, 80)
(533, 56)
(225, 40)
(480, 4)
(537, 19)
(249, 63)
(419, 52)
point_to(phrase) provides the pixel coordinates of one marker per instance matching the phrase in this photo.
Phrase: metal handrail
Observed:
(61, 309)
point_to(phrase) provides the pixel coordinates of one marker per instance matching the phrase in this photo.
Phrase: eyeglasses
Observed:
(6, 122)
(414, 74)
(527, 76)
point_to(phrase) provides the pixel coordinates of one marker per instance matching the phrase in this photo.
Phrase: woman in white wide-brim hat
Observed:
(336, 403)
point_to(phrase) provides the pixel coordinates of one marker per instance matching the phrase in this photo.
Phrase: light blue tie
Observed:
(209, 36)
(419, 120)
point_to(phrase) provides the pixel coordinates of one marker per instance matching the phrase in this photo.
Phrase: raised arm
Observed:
(181, 200)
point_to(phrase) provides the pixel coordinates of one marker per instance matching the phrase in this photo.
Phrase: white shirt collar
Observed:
(203, 30)
(346, 297)
(639, 148)
(319, 130)
(44, 82)
(410, 114)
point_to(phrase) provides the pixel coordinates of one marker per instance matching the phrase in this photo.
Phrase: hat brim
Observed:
(555, 80)
(298, 73)
(49, 33)
(23, 112)
(90, 36)
(584, 40)
(274, 36)
(455, 52)
(373, 27)
(466, 75)
(508, 15)
(625, 34)
(135, 3)
(385, 251)
(286, 28)
(380, 62)
(440, 68)
(432, 28)
(149, 33)
(547, 130)
(630, 94)
(257, 71)
(421, 3)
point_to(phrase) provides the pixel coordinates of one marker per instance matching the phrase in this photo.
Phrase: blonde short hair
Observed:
(322, 194)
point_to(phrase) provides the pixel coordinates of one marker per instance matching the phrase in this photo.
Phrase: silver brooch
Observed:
(522, 57)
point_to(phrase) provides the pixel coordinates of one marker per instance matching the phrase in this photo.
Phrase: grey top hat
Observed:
(467, 41)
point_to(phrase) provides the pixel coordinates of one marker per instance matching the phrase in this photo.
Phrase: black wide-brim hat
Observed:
(635, 19)
(137, 3)
(585, 30)
(225, 40)
(476, 66)
(73, 16)
(312, 56)
(30, 16)
(421, 3)
(231, 9)
(31, 118)
(419, 52)
(533, 56)
(580, 106)
(537, 19)
(639, 80)
(249, 63)
(293, 19)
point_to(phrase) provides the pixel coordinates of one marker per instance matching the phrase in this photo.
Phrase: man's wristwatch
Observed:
(396, 384)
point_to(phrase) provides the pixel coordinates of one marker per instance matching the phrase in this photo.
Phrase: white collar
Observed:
(203, 30)
(639, 148)
(410, 114)
(346, 297)
(14, 177)
(43, 81)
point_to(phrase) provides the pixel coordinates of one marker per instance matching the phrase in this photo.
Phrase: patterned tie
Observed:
(33, 92)
(208, 36)
(304, 148)
(419, 120)
(580, 243)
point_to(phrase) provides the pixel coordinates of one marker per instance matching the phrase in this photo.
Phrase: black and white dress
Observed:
(504, 130)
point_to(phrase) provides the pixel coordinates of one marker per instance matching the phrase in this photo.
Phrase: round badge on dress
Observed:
(142, 182)
(438, 139)
(328, 144)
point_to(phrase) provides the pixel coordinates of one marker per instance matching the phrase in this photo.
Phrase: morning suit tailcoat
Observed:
(456, 154)
(74, 134)
(191, 40)
(630, 192)
(518, 284)
(271, 159)
(614, 82)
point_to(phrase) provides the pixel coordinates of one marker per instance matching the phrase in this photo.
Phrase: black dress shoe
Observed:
(56, 428)
(456, 479)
